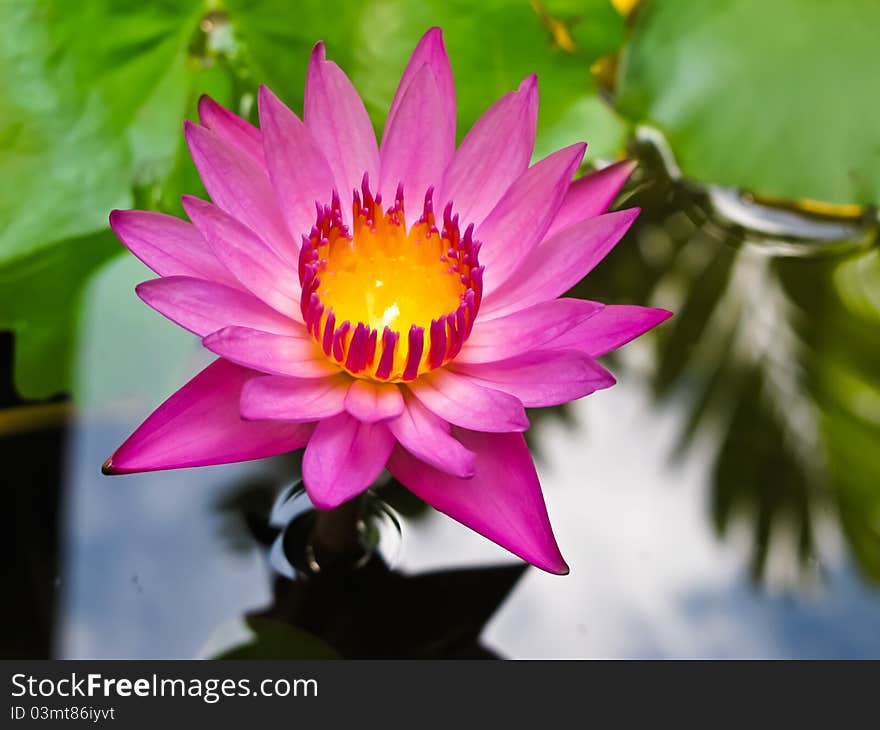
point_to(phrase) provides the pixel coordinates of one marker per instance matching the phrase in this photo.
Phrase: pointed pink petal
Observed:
(299, 171)
(339, 123)
(371, 402)
(502, 502)
(232, 129)
(238, 185)
(298, 357)
(527, 329)
(343, 458)
(274, 397)
(200, 425)
(429, 51)
(495, 152)
(612, 327)
(542, 378)
(428, 438)
(591, 195)
(168, 245)
(245, 254)
(558, 263)
(416, 150)
(203, 307)
(518, 223)
(462, 401)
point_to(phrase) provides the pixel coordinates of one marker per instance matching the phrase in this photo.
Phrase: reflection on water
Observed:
(722, 500)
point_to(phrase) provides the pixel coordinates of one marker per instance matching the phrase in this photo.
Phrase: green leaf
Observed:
(493, 45)
(40, 296)
(276, 640)
(92, 96)
(781, 98)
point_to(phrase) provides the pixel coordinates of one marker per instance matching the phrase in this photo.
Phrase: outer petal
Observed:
(298, 168)
(371, 403)
(239, 185)
(416, 150)
(612, 327)
(462, 401)
(244, 253)
(518, 223)
(528, 329)
(168, 245)
(429, 51)
(277, 398)
(336, 117)
(232, 129)
(558, 263)
(203, 307)
(502, 502)
(297, 357)
(495, 152)
(542, 378)
(200, 425)
(343, 458)
(591, 195)
(427, 437)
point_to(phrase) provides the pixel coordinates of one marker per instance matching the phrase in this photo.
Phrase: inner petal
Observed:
(385, 302)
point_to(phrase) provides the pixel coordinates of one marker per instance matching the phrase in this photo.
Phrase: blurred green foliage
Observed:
(779, 97)
(774, 355)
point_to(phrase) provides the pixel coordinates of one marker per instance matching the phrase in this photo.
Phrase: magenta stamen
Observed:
(357, 350)
(437, 351)
(414, 355)
(329, 331)
(389, 345)
(339, 341)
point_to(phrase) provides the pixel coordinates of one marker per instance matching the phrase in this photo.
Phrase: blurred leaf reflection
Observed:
(775, 350)
(363, 608)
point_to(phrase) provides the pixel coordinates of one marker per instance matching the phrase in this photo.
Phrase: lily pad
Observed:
(492, 45)
(780, 98)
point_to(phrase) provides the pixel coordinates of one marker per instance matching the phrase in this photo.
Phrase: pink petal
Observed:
(200, 425)
(541, 378)
(415, 149)
(503, 501)
(427, 438)
(339, 123)
(245, 254)
(343, 458)
(203, 307)
(274, 397)
(238, 185)
(299, 171)
(518, 223)
(527, 329)
(371, 402)
(558, 263)
(232, 129)
(297, 357)
(462, 401)
(429, 51)
(612, 327)
(591, 195)
(168, 245)
(495, 152)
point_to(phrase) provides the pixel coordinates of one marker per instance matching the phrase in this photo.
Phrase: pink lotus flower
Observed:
(409, 335)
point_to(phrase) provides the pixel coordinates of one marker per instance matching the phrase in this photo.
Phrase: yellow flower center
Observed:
(383, 302)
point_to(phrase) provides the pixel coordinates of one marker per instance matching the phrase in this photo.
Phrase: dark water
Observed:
(722, 500)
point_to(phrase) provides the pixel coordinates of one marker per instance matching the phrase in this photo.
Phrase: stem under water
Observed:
(336, 538)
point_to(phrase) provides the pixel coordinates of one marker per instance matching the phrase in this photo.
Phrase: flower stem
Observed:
(336, 535)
